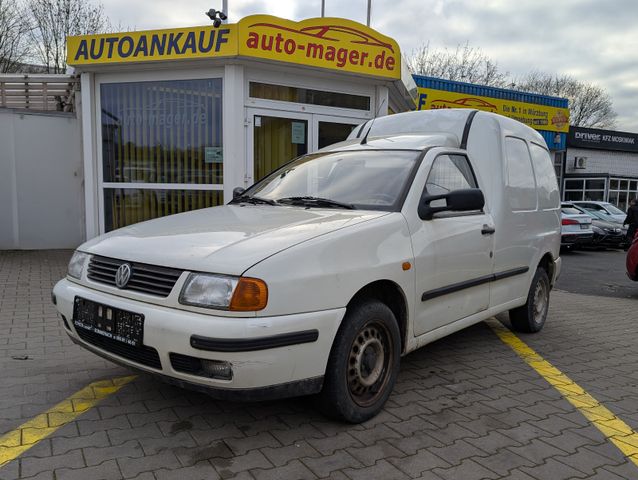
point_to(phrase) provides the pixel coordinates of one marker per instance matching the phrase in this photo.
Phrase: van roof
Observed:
(396, 142)
(442, 122)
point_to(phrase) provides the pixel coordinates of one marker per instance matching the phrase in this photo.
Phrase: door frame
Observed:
(312, 140)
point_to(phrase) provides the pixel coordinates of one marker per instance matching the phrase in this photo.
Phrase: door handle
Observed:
(487, 230)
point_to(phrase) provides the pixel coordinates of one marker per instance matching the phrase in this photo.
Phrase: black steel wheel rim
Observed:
(370, 364)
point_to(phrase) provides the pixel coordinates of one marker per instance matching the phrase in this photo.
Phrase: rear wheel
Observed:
(363, 363)
(531, 317)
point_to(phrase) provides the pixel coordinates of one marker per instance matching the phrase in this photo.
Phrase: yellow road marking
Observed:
(617, 431)
(16, 442)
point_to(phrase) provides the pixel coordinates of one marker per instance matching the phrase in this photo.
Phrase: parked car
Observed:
(318, 278)
(576, 227)
(632, 260)
(604, 207)
(607, 231)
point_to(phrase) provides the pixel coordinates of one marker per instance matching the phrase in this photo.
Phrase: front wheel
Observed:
(363, 363)
(531, 317)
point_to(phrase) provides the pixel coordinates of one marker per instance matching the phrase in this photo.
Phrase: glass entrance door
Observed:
(333, 129)
(276, 139)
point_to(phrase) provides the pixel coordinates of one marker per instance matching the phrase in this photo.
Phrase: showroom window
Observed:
(621, 191)
(592, 189)
(305, 95)
(161, 148)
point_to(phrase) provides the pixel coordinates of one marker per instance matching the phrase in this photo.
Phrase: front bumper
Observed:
(567, 239)
(612, 240)
(266, 362)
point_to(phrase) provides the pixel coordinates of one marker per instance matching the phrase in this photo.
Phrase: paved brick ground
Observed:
(464, 408)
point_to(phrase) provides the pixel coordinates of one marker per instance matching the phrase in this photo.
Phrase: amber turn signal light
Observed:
(251, 294)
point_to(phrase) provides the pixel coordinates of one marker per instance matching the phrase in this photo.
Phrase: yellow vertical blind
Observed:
(274, 144)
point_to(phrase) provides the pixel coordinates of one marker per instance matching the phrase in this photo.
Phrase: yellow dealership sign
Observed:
(539, 117)
(331, 43)
(152, 45)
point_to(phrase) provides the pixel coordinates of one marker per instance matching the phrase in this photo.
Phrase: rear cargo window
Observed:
(546, 183)
(521, 188)
(570, 211)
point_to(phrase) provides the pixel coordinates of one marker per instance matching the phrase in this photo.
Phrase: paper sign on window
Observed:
(298, 132)
(213, 155)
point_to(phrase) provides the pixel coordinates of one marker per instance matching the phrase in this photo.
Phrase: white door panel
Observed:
(450, 253)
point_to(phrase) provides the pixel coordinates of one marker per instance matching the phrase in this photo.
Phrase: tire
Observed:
(530, 318)
(363, 364)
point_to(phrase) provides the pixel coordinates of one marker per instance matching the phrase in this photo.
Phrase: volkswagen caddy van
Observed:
(318, 278)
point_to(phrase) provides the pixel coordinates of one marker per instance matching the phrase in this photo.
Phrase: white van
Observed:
(317, 279)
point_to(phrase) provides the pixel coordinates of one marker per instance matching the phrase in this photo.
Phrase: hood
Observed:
(605, 224)
(227, 239)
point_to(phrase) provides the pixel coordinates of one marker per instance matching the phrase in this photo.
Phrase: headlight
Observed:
(76, 264)
(224, 292)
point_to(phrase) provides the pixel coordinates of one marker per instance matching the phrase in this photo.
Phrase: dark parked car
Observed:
(607, 231)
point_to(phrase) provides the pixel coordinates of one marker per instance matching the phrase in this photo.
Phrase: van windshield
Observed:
(369, 180)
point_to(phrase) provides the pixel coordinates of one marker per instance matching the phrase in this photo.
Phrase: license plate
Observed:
(121, 325)
(584, 226)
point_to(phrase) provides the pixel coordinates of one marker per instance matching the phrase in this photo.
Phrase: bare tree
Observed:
(54, 20)
(13, 32)
(463, 64)
(589, 104)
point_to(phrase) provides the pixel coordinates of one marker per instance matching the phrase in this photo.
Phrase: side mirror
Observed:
(464, 200)
(238, 192)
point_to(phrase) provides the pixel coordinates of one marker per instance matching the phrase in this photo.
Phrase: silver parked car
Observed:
(576, 227)
(603, 207)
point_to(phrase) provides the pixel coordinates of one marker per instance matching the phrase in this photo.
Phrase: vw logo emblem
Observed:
(123, 275)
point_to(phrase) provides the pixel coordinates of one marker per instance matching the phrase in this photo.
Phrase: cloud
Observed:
(592, 40)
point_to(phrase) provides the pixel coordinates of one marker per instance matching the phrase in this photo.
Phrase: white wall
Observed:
(621, 164)
(41, 181)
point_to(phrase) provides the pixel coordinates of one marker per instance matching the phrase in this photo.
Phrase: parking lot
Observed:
(469, 406)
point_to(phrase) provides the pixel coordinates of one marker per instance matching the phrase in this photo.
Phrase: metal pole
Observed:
(323, 8)
(225, 9)
(369, 9)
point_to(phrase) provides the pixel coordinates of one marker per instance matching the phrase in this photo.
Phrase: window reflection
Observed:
(162, 132)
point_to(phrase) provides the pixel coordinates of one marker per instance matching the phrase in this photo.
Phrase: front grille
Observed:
(144, 278)
(186, 364)
(143, 354)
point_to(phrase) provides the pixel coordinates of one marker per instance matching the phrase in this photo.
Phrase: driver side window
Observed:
(448, 173)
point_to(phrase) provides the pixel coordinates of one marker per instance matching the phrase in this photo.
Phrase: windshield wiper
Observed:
(254, 200)
(316, 202)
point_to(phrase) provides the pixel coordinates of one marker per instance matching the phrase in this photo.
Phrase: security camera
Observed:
(216, 16)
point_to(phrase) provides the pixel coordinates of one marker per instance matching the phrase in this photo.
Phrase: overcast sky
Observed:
(592, 40)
